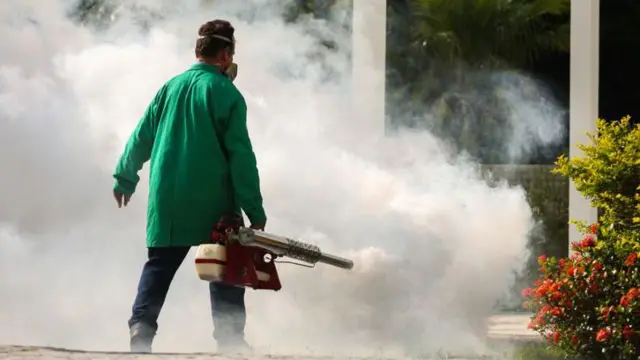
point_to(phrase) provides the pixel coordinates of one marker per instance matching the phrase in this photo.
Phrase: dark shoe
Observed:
(141, 337)
(234, 347)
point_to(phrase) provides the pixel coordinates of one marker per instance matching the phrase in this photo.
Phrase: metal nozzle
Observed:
(283, 246)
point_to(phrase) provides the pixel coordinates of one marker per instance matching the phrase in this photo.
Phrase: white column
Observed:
(585, 38)
(369, 64)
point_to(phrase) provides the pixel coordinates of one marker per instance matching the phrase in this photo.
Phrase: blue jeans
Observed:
(227, 302)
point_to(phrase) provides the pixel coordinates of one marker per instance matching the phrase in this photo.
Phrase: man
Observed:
(202, 166)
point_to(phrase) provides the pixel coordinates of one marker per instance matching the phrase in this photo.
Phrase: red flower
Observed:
(594, 228)
(625, 301)
(562, 263)
(575, 271)
(597, 266)
(528, 292)
(542, 259)
(631, 295)
(574, 339)
(631, 259)
(628, 332)
(543, 288)
(588, 241)
(603, 335)
(555, 337)
(606, 312)
(539, 320)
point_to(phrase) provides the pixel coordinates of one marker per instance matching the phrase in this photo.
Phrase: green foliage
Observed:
(609, 173)
(94, 13)
(480, 34)
(537, 351)
(454, 58)
(589, 303)
(102, 14)
(314, 8)
(490, 33)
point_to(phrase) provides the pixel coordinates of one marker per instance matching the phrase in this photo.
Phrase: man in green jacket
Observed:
(202, 166)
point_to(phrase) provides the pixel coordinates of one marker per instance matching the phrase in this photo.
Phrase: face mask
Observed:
(232, 71)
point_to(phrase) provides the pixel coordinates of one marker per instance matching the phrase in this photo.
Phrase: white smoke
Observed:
(435, 247)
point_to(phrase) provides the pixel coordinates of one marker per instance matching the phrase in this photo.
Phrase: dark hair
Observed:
(212, 38)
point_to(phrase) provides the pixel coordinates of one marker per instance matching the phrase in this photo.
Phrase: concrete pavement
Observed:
(503, 328)
(511, 327)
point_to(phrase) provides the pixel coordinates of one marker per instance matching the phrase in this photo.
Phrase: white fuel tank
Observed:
(210, 261)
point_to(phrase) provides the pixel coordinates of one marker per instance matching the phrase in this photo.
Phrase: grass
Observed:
(522, 349)
(538, 351)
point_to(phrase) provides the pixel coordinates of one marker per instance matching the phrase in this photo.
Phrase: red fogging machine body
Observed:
(244, 257)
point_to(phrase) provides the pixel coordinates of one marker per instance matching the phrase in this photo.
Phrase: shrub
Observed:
(608, 174)
(589, 303)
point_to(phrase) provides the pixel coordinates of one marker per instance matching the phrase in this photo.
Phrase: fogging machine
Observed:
(245, 257)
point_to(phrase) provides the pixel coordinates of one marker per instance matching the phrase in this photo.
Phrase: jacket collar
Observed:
(202, 66)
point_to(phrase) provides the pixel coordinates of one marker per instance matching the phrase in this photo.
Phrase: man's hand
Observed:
(121, 199)
(258, 226)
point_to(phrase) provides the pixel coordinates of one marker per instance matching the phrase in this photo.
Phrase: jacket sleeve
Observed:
(242, 163)
(137, 151)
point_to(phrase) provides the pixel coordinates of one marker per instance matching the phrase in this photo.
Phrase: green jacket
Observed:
(202, 161)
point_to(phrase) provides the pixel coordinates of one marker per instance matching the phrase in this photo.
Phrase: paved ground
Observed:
(511, 326)
(40, 353)
(508, 327)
